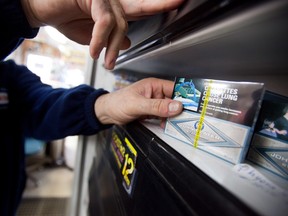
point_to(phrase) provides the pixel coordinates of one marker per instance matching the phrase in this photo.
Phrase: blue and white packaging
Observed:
(219, 116)
(269, 145)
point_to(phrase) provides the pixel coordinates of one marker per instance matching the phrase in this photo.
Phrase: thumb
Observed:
(162, 107)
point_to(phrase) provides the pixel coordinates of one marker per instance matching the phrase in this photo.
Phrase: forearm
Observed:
(48, 113)
(63, 112)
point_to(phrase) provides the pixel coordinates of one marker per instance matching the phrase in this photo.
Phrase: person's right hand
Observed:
(99, 23)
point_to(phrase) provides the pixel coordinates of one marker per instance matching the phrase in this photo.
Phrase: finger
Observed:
(160, 107)
(117, 36)
(112, 54)
(157, 88)
(134, 8)
(166, 88)
(104, 19)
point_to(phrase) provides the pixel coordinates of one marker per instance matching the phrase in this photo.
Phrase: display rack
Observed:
(229, 40)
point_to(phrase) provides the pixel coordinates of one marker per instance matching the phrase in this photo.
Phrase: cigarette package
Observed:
(269, 145)
(219, 116)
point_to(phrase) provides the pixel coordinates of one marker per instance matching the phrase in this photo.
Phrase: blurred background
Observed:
(62, 63)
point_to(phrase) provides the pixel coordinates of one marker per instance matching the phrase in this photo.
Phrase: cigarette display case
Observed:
(137, 169)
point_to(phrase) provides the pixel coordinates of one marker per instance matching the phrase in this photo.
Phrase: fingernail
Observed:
(173, 106)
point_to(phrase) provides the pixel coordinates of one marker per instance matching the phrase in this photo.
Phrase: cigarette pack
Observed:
(219, 116)
(269, 145)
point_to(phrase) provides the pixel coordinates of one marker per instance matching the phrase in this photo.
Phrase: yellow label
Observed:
(202, 116)
(125, 155)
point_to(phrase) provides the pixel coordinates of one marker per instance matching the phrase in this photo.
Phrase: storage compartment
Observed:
(164, 182)
(236, 41)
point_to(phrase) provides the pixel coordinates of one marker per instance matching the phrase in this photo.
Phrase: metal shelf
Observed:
(250, 45)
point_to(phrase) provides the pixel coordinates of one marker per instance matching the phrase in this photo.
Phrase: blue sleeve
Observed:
(14, 27)
(49, 113)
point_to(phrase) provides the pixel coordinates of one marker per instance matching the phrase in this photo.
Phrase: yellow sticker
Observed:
(202, 116)
(125, 155)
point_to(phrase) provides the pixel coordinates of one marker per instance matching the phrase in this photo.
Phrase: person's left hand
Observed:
(98, 23)
(146, 98)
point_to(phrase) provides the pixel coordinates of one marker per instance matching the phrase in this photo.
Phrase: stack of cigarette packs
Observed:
(269, 146)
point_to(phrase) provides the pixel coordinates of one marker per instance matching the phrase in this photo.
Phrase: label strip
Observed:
(202, 116)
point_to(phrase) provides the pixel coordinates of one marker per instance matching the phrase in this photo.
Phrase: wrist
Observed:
(30, 15)
(100, 108)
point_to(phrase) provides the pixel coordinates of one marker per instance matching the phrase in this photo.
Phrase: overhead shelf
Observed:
(250, 44)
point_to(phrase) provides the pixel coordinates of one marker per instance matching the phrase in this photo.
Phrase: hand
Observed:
(146, 98)
(98, 23)
(281, 132)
